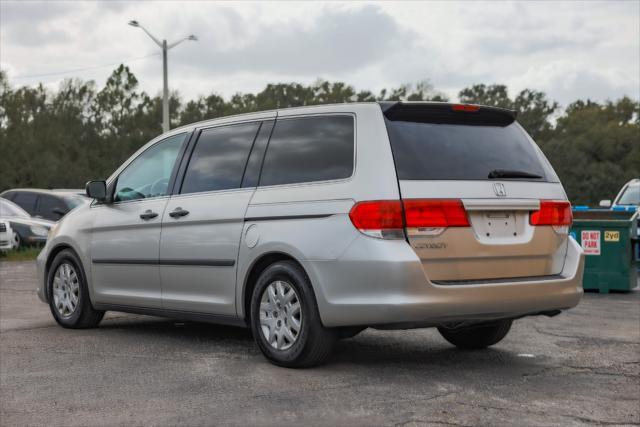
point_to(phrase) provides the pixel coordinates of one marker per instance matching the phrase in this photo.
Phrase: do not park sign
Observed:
(590, 240)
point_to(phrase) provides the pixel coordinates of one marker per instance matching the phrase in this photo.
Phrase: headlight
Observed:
(39, 230)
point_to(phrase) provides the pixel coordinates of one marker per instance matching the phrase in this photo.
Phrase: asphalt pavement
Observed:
(579, 368)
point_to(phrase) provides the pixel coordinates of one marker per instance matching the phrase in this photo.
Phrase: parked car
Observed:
(47, 204)
(628, 197)
(312, 224)
(6, 235)
(27, 231)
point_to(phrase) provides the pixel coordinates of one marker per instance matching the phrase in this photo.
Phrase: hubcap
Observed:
(66, 289)
(280, 315)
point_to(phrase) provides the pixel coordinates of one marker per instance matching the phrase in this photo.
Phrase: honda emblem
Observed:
(499, 189)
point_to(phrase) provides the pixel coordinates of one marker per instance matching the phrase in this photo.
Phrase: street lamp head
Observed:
(192, 38)
(134, 23)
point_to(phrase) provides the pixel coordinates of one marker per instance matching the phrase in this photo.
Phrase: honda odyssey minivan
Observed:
(310, 224)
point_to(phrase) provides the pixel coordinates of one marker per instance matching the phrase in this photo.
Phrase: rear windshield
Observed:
(435, 151)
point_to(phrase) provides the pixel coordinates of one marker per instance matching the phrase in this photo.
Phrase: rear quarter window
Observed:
(308, 149)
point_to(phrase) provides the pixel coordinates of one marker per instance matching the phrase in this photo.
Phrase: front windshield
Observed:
(8, 208)
(630, 196)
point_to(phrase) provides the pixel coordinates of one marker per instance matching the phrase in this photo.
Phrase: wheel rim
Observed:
(280, 315)
(66, 289)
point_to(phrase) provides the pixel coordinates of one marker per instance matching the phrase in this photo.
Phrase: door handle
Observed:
(148, 214)
(178, 212)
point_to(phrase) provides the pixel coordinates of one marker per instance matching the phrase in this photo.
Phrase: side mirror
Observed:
(58, 211)
(97, 190)
(605, 203)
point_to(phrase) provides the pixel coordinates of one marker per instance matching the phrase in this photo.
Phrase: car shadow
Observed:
(366, 350)
(177, 329)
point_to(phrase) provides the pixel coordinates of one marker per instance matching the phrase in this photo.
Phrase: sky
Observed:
(570, 50)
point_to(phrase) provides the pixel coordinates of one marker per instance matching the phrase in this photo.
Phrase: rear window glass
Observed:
(430, 151)
(309, 149)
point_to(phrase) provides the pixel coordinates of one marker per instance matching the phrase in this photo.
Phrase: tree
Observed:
(77, 133)
(533, 107)
(595, 148)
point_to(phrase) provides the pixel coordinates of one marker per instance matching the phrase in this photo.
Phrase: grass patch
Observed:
(22, 254)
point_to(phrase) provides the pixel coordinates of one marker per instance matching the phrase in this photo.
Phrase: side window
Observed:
(219, 158)
(50, 207)
(148, 175)
(26, 201)
(309, 149)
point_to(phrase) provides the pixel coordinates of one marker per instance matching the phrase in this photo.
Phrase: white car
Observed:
(6, 236)
(27, 230)
(627, 199)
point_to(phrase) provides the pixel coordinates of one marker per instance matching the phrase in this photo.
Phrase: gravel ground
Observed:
(579, 368)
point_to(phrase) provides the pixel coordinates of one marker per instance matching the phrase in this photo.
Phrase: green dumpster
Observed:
(607, 238)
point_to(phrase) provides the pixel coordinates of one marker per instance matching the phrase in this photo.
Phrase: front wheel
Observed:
(68, 293)
(284, 318)
(477, 336)
(17, 241)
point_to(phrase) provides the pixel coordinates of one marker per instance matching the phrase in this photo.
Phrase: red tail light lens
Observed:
(384, 218)
(552, 212)
(434, 213)
(377, 215)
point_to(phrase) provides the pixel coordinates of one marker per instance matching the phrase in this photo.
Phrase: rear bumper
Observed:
(383, 283)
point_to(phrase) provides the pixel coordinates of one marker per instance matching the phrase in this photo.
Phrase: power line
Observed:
(57, 73)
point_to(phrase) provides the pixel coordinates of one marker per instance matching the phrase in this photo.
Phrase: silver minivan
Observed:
(311, 224)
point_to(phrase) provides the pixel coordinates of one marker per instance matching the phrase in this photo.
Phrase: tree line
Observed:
(80, 132)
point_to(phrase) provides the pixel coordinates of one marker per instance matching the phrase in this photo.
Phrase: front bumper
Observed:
(382, 283)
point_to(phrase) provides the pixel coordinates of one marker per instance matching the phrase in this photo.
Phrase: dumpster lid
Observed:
(603, 215)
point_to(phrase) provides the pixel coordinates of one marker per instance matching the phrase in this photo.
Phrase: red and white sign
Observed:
(590, 242)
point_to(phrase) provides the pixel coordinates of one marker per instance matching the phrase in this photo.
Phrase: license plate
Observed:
(499, 224)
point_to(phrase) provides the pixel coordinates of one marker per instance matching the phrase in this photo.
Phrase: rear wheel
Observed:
(477, 336)
(68, 293)
(284, 318)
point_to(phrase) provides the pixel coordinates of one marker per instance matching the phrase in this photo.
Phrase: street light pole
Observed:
(165, 90)
(165, 84)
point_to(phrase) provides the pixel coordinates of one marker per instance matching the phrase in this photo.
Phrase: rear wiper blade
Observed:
(504, 173)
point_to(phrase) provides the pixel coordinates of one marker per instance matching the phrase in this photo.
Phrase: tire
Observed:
(71, 282)
(17, 240)
(477, 336)
(312, 343)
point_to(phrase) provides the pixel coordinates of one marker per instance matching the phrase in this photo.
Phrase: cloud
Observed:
(568, 81)
(29, 23)
(569, 49)
(337, 42)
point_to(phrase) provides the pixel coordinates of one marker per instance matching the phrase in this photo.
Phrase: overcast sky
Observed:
(570, 50)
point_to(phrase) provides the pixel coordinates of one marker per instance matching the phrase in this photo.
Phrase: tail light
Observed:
(556, 213)
(387, 218)
(378, 218)
(427, 213)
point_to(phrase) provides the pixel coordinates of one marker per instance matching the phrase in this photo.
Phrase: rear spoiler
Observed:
(446, 113)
